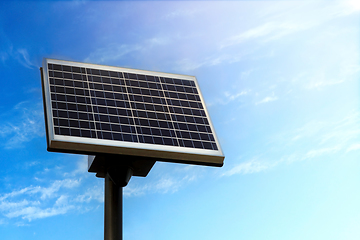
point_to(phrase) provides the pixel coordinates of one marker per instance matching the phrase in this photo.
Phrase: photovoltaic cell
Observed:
(92, 102)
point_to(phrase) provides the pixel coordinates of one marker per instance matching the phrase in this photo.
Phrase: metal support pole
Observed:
(113, 210)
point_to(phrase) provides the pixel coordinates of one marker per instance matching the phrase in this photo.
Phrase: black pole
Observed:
(113, 210)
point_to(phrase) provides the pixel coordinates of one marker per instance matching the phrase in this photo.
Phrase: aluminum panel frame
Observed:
(91, 146)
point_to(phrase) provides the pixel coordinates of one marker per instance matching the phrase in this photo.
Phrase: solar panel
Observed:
(102, 109)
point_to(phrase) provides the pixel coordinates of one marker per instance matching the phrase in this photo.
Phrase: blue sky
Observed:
(281, 84)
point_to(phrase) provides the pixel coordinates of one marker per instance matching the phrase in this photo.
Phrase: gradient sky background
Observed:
(281, 83)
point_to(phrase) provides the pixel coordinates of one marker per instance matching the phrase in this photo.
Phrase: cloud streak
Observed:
(248, 167)
(165, 183)
(268, 31)
(112, 52)
(59, 197)
(267, 99)
(29, 210)
(28, 125)
(314, 140)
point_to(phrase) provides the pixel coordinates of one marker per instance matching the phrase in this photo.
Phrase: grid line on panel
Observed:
(190, 122)
(168, 99)
(91, 103)
(165, 110)
(56, 120)
(132, 114)
(74, 115)
(167, 106)
(137, 122)
(143, 104)
(92, 89)
(130, 125)
(72, 122)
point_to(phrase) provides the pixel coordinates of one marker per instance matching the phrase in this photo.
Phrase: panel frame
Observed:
(93, 146)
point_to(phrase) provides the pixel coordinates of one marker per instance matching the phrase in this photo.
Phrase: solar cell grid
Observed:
(126, 106)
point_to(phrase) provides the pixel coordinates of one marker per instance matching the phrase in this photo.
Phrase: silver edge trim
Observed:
(49, 114)
(134, 145)
(152, 153)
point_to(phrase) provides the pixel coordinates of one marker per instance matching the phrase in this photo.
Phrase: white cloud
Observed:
(322, 151)
(320, 80)
(246, 74)
(165, 184)
(27, 124)
(22, 56)
(44, 192)
(93, 193)
(36, 202)
(82, 168)
(353, 147)
(324, 134)
(188, 64)
(181, 13)
(267, 99)
(252, 166)
(30, 213)
(74, 193)
(339, 133)
(267, 31)
(317, 139)
(6, 206)
(320, 84)
(32, 209)
(55, 187)
(231, 97)
(350, 7)
(111, 53)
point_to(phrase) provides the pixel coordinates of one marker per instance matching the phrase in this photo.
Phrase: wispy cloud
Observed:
(81, 168)
(252, 166)
(340, 132)
(348, 7)
(181, 13)
(115, 51)
(164, 183)
(274, 26)
(282, 24)
(229, 97)
(321, 151)
(93, 193)
(52, 198)
(26, 125)
(23, 58)
(21, 55)
(353, 147)
(266, 32)
(320, 80)
(111, 53)
(314, 140)
(31, 212)
(43, 192)
(267, 99)
(347, 71)
(74, 193)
